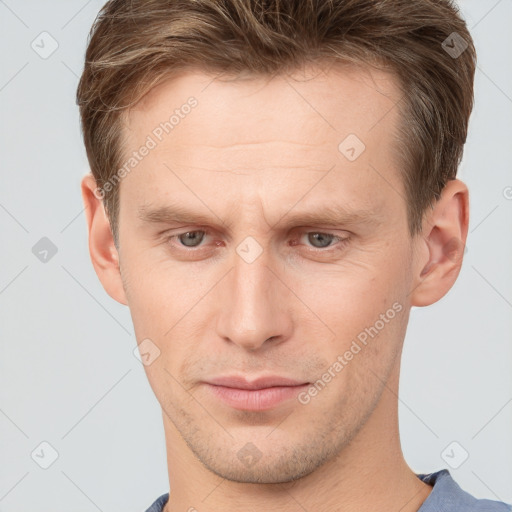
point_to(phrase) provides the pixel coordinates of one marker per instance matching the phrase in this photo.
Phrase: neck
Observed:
(369, 473)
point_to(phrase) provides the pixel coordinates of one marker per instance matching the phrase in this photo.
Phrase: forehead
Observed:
(340, 99)
(277, 132)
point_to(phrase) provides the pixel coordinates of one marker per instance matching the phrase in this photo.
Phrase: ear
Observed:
(104, 255)
(441, 245)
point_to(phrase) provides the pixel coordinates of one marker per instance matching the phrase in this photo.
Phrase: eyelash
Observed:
(341, 241)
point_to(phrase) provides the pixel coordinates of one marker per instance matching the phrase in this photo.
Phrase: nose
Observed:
(254, 307)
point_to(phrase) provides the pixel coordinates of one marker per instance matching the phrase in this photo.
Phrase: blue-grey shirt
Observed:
(446, 496)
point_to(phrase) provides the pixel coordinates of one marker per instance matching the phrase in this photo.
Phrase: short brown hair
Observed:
(136, 44)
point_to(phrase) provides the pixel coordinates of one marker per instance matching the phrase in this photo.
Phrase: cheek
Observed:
(169, 306)
(355, 294)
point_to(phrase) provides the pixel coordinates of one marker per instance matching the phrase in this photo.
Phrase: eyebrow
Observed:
(325, 215)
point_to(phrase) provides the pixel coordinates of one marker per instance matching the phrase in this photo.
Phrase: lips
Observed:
(239, 382)
(260, 394)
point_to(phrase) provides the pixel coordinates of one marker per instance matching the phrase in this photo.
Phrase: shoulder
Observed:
(447, 496)
(159, 503)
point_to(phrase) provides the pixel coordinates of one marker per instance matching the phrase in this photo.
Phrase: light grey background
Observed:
(68, 375)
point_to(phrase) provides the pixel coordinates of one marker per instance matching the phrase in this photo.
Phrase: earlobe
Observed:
(443, 241)
(103, 252)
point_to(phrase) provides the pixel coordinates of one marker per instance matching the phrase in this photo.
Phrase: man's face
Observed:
(301, 244)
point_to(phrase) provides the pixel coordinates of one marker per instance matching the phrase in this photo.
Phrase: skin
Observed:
(253, 155)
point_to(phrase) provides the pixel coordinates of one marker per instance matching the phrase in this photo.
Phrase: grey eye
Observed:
(324, 239)
(191, 238)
